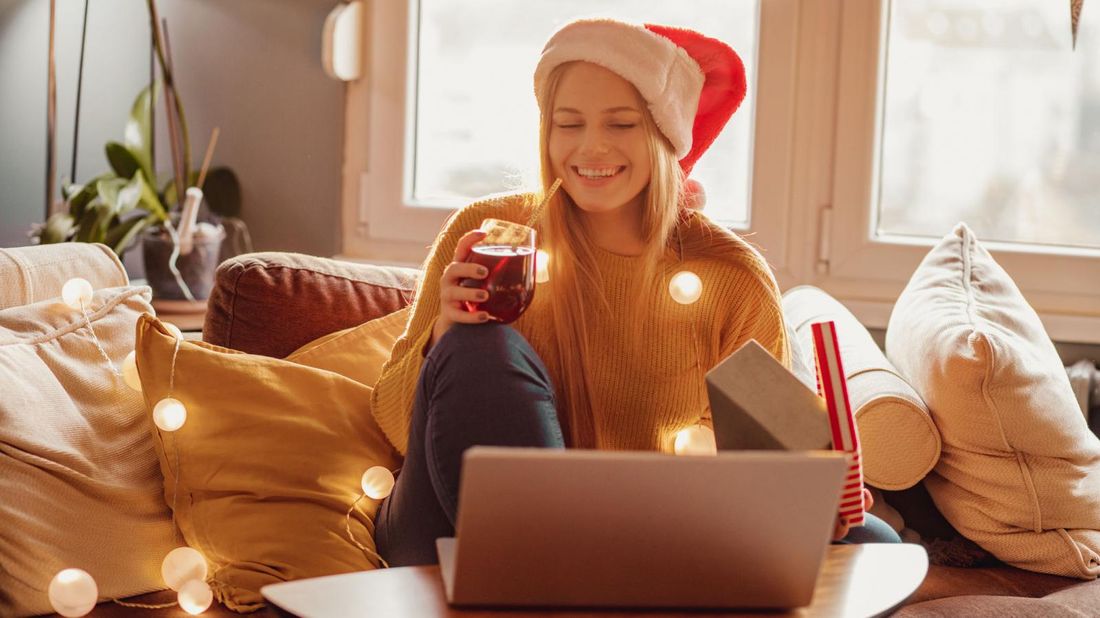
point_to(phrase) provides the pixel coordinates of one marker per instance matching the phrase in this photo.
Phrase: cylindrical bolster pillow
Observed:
(899, 440)
(36, 273)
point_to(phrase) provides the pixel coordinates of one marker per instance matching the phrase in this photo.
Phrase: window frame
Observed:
(872, 272)
(815, 150)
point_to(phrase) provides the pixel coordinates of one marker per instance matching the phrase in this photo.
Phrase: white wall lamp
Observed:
(341, 41)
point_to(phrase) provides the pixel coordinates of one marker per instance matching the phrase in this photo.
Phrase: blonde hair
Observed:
(576, 290)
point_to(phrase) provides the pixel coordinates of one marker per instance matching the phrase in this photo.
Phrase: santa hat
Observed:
(691, 82)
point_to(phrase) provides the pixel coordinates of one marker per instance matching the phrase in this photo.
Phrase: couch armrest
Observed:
(273, 303)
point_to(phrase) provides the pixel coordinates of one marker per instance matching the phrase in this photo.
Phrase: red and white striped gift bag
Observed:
(832, 385)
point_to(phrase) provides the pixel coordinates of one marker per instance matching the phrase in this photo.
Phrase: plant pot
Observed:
(196, 268)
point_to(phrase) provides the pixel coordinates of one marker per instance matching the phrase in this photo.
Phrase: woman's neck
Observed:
(618, 231)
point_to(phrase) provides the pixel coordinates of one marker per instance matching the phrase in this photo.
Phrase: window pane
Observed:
(476, 115)
(991, 118)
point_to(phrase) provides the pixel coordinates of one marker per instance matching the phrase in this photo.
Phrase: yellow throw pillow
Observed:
(267, 464)
(358, 352)
(1020, 470)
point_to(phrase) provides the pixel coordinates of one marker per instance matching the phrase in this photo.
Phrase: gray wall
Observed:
(251, 67)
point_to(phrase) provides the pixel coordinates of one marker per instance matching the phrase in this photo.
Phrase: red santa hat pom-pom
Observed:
(695, 197)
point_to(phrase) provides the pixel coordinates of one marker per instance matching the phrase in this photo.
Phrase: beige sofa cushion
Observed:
(79, 481)
(1020, 470)
(32, 274)
(899, 440)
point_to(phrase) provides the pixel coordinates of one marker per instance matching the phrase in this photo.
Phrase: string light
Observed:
(195, 596)
(77, 292)
(542, 266)
(130, 372)
(695, 440)
(169, 414)
(685, 287)
(175, 330)
(73, 593)
(181, 565)
(377, 482)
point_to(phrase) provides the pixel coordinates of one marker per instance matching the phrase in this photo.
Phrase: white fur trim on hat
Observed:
(665, 75)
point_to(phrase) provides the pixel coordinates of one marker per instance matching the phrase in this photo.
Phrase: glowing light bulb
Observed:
(377, 482)
(685, 287)
(182, 565)
(542, 266)
(73, 593)
(195, 597)
(77, 292)
(169, 414)
(695, 440)
(176, 332)
(130, 372)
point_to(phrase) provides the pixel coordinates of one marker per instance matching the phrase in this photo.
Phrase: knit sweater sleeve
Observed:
(393, 394)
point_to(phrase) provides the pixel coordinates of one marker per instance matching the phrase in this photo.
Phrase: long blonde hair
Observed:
(576, 290)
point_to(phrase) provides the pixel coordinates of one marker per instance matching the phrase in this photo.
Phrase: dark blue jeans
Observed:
(480, 385)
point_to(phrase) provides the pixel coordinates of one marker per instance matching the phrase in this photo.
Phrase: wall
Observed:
(251, 67)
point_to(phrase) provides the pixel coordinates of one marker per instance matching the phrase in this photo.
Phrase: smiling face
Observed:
(597, 142)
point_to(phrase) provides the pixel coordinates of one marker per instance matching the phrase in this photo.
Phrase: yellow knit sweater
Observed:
(641, 400)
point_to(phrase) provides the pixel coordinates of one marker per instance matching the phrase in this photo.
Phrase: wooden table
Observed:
(855, 581)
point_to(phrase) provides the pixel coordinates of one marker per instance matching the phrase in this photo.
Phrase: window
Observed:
(871, 127)
(975, 111)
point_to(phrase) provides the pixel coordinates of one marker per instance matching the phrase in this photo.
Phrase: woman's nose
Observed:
(595, 142)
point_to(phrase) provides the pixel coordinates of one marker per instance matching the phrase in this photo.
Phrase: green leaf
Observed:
(123, 161)
(151, 202)
(86, 193)
(58, 228)
(109, 192)
(93, 225)
(121, 237)
(138, 136)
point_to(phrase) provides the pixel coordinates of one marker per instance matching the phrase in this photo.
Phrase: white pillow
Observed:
(1020, 470)
(80, 485)
(900, 443)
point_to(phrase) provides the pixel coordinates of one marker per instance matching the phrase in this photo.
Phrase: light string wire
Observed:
(175, 491)
(347, 527)
(95, 338)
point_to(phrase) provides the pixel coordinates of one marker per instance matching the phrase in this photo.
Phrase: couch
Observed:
(273, 303)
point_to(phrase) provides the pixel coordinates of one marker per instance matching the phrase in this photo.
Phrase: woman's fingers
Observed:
(868, 499)
(456, 271)
(840, 528)
(466, 244)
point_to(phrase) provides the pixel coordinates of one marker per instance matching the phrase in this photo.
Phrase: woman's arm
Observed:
(392, 399)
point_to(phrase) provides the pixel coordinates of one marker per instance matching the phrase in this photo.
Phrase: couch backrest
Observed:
(36, 273)
(274, 303)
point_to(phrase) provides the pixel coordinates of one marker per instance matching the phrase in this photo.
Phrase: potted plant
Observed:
(124, 205)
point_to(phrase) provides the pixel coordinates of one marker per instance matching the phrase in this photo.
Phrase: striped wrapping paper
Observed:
(832, 385)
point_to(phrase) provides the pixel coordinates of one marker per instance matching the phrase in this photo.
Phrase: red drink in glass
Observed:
(510, 283)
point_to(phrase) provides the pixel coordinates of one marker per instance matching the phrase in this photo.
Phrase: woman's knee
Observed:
(873, 530)
(480, 351)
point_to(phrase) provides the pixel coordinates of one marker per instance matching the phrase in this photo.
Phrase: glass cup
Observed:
(508, 252)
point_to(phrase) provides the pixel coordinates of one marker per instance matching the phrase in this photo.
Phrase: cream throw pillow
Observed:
(1020, 470)
(79, 480)
(899, 440)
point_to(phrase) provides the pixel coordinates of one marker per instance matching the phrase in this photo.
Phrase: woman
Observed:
(604, 357)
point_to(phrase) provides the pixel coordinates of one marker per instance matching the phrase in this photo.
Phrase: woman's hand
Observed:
(452, 295)
(841, 529)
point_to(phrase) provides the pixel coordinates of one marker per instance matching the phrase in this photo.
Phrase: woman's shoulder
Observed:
(719, 247)
(507, 206)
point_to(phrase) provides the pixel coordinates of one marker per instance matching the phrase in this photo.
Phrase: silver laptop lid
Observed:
(541, 527)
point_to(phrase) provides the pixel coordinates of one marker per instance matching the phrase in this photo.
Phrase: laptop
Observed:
(555, 528)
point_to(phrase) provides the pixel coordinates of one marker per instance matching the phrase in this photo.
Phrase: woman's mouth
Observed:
(597, 175)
